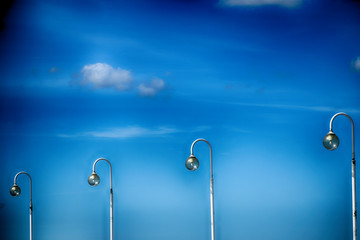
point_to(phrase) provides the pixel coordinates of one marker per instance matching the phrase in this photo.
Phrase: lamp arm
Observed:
(211, 162)
(104, 159)
(23, 172)
(352, 130)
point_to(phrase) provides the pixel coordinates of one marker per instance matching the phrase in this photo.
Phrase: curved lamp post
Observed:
(94, 180)
(15, 191)
(192, 163)
(331, 142)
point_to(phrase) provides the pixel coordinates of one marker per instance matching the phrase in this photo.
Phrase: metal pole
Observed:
(212, 211)
(30, 205)
(353, 172)
(111, 196)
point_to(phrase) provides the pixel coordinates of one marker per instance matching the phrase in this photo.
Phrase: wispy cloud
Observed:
(299, 107)
(242, 3)
(152, 88)
(292, 107)
(356, 64)
(53, 70)
(102, 75)
(131, 132)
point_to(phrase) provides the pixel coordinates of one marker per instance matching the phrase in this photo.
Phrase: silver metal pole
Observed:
(353, 173)
(111, 196)
(212, 211)
(30, 205)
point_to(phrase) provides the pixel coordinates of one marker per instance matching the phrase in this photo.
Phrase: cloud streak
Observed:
(257, 3)
(292, 107)
(299, 107)
(130, 132)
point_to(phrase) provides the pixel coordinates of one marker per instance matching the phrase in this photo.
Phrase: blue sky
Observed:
(137, 82)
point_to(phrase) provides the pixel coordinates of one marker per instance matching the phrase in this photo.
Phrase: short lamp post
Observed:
(192, 163)
(331, 142)
(15, 191)
(94, 180)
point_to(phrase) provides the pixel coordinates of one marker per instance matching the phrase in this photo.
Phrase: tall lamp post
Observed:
(94, 180)
(331, 142)
(15, 191)
(192, 163)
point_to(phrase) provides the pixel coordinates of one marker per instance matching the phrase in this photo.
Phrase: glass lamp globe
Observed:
(192, 163)
(94, 179)
(331, 141)
(15, 190)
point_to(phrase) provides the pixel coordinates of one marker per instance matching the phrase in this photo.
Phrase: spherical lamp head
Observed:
(94, 179)
(192, 163)
(331, 141)
(15, 190)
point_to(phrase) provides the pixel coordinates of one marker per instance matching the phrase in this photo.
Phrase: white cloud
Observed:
(151, 89)
(238, 3)
(356, 64)
(102, 75)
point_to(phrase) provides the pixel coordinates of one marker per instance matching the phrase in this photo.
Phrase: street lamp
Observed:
(192, 163)
(15, 191)
(94, 180)
(331, 142)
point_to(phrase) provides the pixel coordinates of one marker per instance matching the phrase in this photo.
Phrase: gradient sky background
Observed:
(138, 81)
